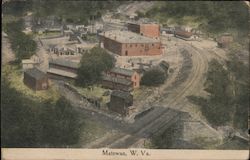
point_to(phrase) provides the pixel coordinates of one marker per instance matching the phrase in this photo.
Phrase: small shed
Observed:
(35, 79)
(224, 40)
(183, 34)
(164, 65)
(121, 102)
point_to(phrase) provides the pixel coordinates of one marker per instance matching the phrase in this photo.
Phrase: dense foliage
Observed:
(23, 45)
(26, 123)
(153, 77)
(228, 87)
(73, 11)
(16, 8)
(219, 16)
(93, 63)
(164, 140)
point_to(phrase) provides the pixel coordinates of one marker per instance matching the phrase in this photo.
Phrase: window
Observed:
(126, 53)
(130, 45)
(135, 77)
(142, 45)
(135, 45)
(152, 44)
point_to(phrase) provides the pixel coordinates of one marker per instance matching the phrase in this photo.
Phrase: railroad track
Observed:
(150, 123)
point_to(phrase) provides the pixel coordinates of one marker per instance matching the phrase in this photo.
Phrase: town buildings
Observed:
(62, 69)
(125, 43)
(35, 79)
(185, 35)
(61, 50)
(145, 29)
(131, 75)
(121, 79)
(121, 102)
(34, 61)
(116, 83)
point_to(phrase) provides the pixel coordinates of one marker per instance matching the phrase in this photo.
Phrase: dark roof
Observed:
(122, 71)
(65, 63)
(164, 65)
(116, 80)
(122, 94)
(184, 34)
(35, 73)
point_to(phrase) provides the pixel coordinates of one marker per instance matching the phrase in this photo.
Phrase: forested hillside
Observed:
(73, 11)
(228, 89)
(211, 16)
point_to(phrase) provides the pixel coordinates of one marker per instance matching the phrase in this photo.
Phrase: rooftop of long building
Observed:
(122, 81)
(64, 62)
(122, 71)
(127, 37)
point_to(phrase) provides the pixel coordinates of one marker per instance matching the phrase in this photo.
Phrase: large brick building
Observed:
(125, 43)
(145, 29)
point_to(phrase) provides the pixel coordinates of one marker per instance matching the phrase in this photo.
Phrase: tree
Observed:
(239, 75)
(166, 139)
(60, 124)
(228, 88)
(23, 45)
(18, 119)
(93, 63)
(27, 123)
(153, 77)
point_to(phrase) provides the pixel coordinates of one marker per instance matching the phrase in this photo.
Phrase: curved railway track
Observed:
(161, 116)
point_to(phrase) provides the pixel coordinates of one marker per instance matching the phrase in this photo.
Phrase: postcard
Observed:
(124, 80)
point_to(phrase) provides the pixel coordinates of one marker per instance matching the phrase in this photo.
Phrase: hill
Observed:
(212, 17)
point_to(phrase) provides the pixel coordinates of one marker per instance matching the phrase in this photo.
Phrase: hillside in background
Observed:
(73, 11)
(209, 16)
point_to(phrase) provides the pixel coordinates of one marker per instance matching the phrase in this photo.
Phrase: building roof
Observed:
(127, 37)
(122, 81)
(184, 34)
(122, 71)
(164, 65)
(121, 94)
(64, 62)
(35, 73)
(28, 61)
(62, 73)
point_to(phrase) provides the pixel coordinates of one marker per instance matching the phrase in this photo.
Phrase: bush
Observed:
(153, 77)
